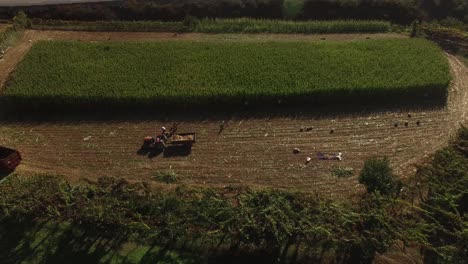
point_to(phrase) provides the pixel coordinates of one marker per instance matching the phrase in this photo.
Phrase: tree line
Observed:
(399, 11)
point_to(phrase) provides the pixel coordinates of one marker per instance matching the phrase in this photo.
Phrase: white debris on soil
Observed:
(87, 138)
(340, 156)
(308, 159)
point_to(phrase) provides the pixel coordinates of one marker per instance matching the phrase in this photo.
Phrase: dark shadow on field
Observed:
(12, 116)
(4, 175)
(177, 152)
(51, 243)
(169, 152)
(56, 243)
(150, 153)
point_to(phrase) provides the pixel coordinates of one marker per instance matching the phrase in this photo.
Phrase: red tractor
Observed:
(169, 139)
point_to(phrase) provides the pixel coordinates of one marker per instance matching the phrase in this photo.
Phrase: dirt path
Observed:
(156, 36)
(254, 151)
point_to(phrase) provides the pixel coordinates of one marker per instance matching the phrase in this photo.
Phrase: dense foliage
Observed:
(437, 9)
(442, 189)
(184, 73)
(235, 220)
(400, 11)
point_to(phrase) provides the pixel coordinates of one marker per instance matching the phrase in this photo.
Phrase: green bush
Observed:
(377, 176)
(342, 172)
(166, 176)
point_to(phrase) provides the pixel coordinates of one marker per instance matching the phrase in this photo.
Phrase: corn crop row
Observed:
(130, 26)
(238, 25)
(228, 73)
(248, 25)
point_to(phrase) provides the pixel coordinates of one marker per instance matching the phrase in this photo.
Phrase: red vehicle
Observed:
(168, 139)
(176, 140)
(9, 159)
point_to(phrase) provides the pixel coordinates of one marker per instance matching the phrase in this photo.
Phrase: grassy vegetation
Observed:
(12, 32)
(247, 25)
(171, 73)
(342, 172)
(8, 38)
(166, 176)
(238, 25)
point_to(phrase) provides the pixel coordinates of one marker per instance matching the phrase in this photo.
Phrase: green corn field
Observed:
(248, 25)
(186, 73)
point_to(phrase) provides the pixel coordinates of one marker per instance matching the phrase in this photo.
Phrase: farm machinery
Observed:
(169, 139)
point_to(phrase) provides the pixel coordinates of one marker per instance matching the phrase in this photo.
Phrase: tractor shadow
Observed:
(169, 152)
(150, 153)
(177, 152)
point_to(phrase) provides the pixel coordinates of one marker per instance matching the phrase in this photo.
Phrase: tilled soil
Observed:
(255, 151)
